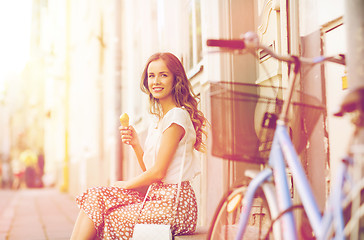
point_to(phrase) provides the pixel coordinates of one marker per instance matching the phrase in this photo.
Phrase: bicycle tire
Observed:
(224, 225)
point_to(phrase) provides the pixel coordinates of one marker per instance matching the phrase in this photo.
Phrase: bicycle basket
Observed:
(237, 113)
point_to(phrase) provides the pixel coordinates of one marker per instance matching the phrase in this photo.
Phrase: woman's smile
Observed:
(157, 89)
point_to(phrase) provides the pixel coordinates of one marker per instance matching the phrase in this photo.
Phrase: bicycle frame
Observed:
(283, 152)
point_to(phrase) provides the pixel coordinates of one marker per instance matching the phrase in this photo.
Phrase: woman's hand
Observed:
(129, 135)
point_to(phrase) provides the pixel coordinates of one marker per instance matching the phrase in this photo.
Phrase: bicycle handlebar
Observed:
(225, 43)
(250, 40)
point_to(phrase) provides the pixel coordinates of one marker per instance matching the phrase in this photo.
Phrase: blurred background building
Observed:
(84, 69)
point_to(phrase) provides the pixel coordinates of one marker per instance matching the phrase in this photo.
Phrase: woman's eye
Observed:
(164, 75)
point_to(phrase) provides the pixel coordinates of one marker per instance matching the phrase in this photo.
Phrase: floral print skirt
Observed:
(115, 211)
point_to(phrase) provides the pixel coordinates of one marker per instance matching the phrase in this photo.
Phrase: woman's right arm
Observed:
(130, 137)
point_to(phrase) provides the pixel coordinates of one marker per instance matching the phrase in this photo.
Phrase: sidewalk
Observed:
(43, 214)
(36, 214)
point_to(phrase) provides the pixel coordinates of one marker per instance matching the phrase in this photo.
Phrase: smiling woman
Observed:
(167, 160)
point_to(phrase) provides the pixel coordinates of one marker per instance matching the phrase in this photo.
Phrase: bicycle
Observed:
(269, 189)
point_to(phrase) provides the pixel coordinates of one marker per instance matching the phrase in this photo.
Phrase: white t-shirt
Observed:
(181, 117)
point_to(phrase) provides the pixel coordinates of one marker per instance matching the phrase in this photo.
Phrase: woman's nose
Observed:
(157, 80)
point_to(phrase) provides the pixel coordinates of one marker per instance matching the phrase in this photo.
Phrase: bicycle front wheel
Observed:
(226, 219)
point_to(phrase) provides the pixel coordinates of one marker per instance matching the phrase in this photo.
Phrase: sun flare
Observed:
(15, 26)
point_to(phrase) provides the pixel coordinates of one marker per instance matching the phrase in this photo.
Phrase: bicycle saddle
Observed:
(353, 100)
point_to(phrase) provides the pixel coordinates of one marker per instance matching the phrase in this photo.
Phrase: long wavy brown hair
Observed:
(183, 95)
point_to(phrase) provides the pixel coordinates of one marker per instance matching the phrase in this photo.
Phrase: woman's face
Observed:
(160, 80)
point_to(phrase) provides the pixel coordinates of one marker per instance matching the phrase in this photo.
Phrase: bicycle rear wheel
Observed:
(225, 222)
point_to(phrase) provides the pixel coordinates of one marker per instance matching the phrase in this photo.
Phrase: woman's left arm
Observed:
(169, 143)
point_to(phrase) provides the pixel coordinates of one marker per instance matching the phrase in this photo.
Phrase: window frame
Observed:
(193, 53)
